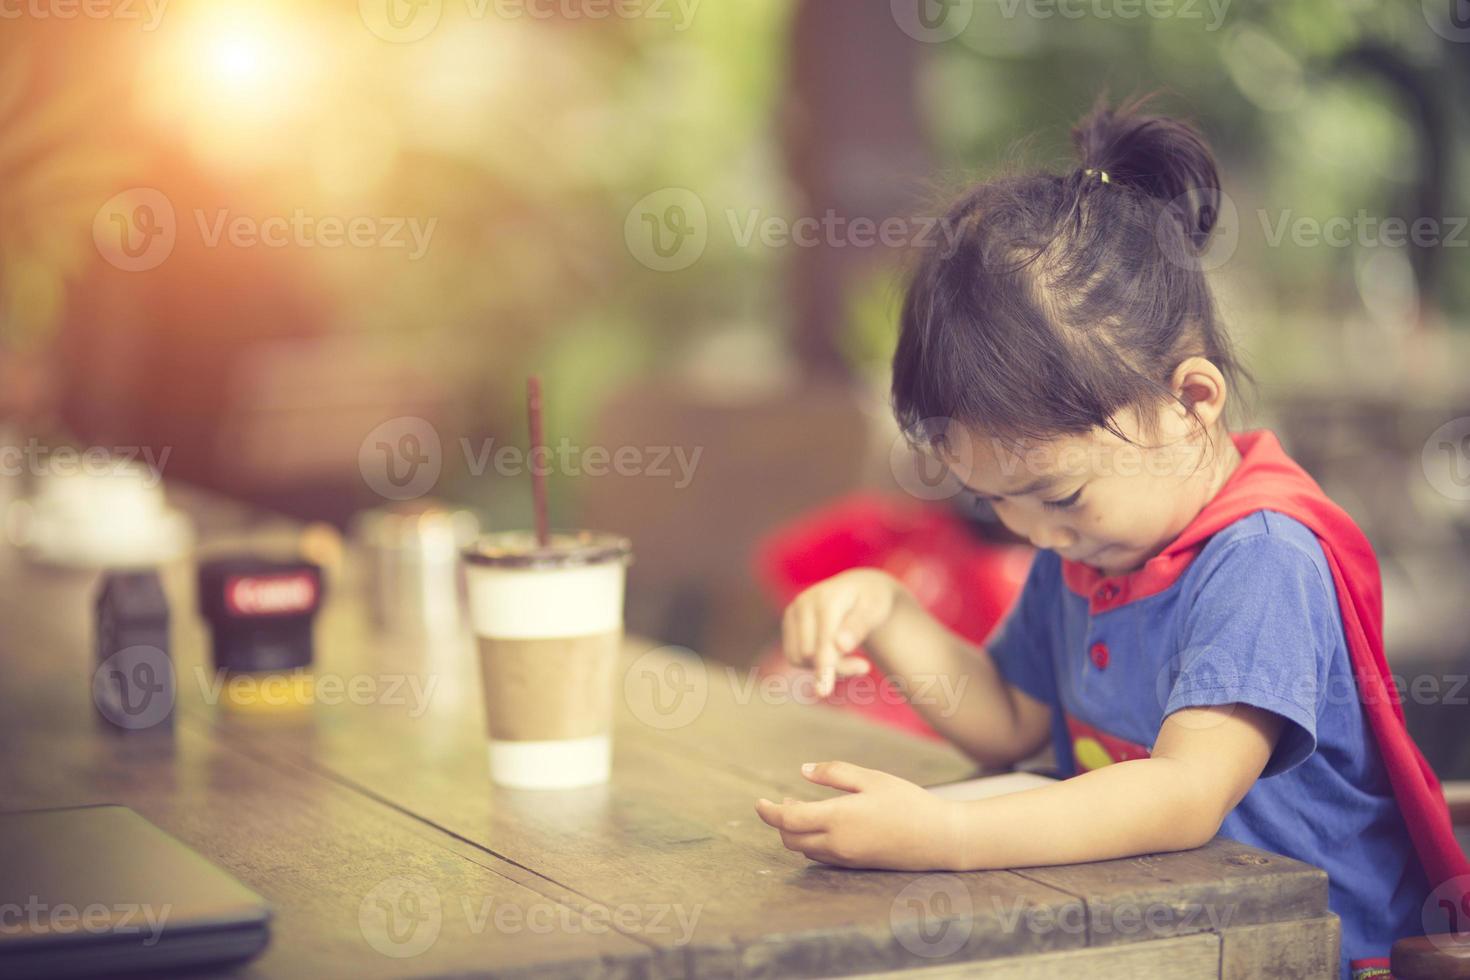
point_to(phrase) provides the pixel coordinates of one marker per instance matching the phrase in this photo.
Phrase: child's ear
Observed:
(1200, 389)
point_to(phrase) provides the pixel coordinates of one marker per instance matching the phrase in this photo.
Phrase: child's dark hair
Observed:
(1066, 298)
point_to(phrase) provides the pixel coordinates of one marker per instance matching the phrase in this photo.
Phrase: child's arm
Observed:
(1204, 761)
(952, 683)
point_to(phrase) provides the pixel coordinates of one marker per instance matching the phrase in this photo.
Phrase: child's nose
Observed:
(1054, 537)
(1036, 528)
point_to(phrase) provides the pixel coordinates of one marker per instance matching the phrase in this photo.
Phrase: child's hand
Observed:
(832, 618)
(887, 822)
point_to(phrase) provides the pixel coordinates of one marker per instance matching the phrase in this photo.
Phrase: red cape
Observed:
(1268, 479)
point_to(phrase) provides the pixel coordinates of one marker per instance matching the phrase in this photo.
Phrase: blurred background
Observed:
(305, 254)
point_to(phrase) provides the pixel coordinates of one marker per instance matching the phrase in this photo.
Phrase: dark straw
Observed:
(538, 467)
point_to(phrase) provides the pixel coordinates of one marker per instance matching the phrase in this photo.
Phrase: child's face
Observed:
(1097, 499)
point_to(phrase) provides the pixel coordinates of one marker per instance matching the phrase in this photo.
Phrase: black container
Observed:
(133, 685)
(260, 612)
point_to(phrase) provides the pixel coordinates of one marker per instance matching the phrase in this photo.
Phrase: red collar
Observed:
(1261, 457)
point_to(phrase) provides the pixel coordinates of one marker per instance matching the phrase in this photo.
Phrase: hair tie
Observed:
(1102, 175)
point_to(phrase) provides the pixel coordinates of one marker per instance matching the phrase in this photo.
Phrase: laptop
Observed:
(98, 889)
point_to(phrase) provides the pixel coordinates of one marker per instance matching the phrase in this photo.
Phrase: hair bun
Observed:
(1164, 158)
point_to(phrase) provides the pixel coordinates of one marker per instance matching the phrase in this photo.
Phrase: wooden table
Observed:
(372, 827)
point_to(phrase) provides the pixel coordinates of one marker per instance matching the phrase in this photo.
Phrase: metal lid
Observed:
(520, 549)
(417, 527)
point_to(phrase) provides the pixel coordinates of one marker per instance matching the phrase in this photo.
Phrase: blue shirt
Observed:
(1252, 620)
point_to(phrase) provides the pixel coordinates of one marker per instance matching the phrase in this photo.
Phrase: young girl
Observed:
(1200, 636)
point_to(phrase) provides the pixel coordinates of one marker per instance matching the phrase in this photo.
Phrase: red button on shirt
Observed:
(1100, 655)
(1107, 593)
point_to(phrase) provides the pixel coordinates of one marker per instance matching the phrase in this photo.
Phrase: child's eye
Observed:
(1064, 503)
(982, 508)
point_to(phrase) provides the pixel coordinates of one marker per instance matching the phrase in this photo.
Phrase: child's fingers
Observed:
(806, 632)
(856, 624)
(808, 818)
(829, 615)
(807, 845)
(842, 775)
(789, 639)
(853, 667)
(795, 816)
